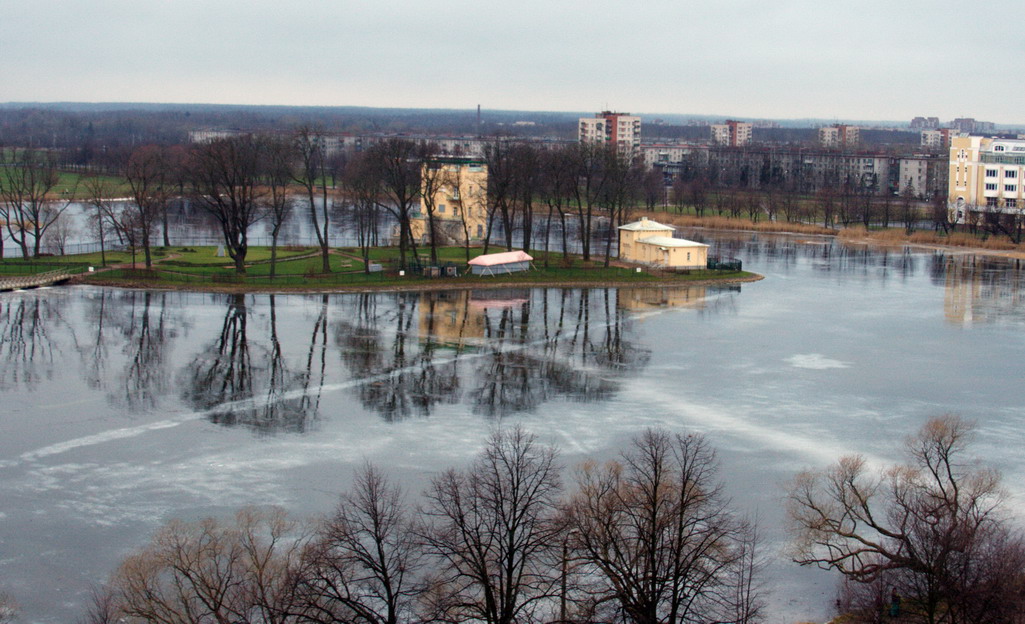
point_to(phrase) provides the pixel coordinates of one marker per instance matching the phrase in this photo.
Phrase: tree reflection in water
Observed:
(143, 321)
(502, 351)
(559, 354)
(27, 352)
(251, 384)
(406, 377)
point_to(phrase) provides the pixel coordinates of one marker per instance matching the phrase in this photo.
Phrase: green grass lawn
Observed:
(207, 256)
(200, 265)
(74, 186)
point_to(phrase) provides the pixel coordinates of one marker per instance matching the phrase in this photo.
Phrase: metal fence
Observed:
(719, 263)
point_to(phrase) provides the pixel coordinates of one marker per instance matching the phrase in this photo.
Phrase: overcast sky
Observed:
(871, 59)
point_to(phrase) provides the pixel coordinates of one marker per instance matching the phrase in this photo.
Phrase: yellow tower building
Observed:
(454, 196)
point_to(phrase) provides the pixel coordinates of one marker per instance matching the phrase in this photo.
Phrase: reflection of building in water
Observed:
(982, 290)
(457, 317)
(664, 297)
(448, 318)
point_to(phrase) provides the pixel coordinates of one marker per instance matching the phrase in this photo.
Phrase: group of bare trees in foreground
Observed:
(647, 538)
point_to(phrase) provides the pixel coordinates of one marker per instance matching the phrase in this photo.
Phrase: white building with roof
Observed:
(650, 242)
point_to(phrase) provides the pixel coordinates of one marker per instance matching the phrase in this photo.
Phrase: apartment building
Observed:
(622, 130)
(839, 136)
(732, 133)
(919, 123)
(986, 175)
(914, 171)
(937, 139)
(665, 154)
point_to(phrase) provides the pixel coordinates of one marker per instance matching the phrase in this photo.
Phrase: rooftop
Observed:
(669, 241)
(646, 225)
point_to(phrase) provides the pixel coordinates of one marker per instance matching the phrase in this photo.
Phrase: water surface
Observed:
(122, 409)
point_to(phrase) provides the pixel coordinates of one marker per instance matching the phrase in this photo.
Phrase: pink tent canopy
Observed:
(505, 257)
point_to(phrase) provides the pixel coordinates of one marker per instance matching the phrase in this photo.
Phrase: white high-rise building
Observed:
(620, 129)
(732, 133)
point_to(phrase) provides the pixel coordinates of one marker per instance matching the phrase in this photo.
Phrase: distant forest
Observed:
(91, 127)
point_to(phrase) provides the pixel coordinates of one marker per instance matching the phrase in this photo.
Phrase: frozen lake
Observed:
(123, 409)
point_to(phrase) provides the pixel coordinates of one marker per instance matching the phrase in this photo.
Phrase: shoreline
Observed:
(441, 285)
(418, 287)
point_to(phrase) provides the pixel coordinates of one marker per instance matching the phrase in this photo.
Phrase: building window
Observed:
(1011, 203)
(1011, 188)
(991, 173)
(441, 207)
(1011, 173)
(991, 187)
(991, 202)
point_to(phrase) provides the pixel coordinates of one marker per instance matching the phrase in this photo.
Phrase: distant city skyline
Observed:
(874, 60)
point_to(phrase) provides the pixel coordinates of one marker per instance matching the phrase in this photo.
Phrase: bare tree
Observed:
(8, 609)
(99, 193)
(278, 203)
(654, 188)
(361, 186)
(590, 180)
(146, 173)
(654, 537)
(433, 179)
(526, 188)
(213, 571)
(908, 210)
(501, 189)
(557, 175)
(940, 212)
(57, 236)
(311, 174)
(395, 165)
(934, 522)
(225, 177)
(493, 533)
(366, 557)
(27, 204)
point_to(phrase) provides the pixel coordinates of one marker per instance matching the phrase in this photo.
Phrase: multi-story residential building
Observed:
(924, 173)
(986, 175)
(970, 125)
(665, 154)
(732, 133)
(937, 139)
(622, 130)
(454, 191)
(839, 135)
(925, 122)
(801, 169)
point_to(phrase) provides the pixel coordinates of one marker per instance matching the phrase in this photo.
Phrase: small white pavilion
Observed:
(650, 242)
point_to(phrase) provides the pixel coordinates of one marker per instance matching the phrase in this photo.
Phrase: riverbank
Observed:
(954, 242)
(417, 284)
